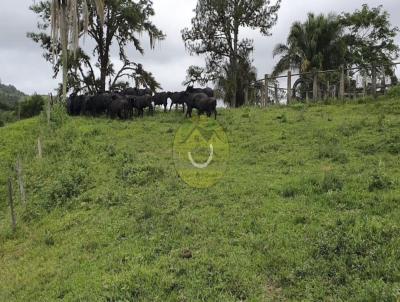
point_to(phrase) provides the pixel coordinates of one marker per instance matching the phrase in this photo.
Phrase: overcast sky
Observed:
(22, 64)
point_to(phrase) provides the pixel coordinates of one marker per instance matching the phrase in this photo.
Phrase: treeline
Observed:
(25, 107)
(322, 42)
(364, 39)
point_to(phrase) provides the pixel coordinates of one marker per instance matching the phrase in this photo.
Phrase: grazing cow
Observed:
(161, 99)
(99, 104)
(177, 98)
(140, 103)
(208, 91)
(76, 104)
(202, 102)
(71, 104)
(120, 107)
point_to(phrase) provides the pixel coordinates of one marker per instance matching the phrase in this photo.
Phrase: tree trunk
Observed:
(64, 42)
(103, 58)
(234, 68)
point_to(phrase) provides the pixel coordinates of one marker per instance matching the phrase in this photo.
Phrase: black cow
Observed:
(208, 91)
(177, 98)
(100, 103)
(76, 104)
(120, 107)
(140, 103)
(161, 99)
(202, 102)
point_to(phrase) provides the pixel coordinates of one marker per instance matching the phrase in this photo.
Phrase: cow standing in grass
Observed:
(161, 99)
(177, 98)
(200, 101)
(140, 103)
(120, 107)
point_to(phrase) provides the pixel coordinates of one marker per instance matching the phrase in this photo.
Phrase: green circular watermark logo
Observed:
(201, 152)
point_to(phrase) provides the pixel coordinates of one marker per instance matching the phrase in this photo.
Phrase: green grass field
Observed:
(308, 209)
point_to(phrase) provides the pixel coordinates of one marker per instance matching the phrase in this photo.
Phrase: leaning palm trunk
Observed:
(65, 17)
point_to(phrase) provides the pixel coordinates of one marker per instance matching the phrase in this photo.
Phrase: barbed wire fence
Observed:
(341, 84)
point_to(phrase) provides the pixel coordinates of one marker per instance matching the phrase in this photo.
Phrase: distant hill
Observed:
(9, 96)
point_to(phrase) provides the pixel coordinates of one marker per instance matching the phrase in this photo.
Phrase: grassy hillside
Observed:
(309, 209)
(9, 96)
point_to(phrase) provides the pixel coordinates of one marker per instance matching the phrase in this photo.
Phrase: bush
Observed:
(394, 92)
(2, 124)
(379, 181)
(32, 106)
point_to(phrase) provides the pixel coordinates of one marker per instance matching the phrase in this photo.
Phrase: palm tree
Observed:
(65, 16)
(316, 44)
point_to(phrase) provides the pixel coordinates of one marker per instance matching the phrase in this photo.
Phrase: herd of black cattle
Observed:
(122, 104)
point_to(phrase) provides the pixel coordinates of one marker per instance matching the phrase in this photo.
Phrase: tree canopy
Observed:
(123, 23)
(360, 39)
(369, 37)
(215, 33)
(316, 44)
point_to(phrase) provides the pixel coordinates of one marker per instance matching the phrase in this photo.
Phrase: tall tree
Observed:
(64, 16)
(370, 38)
(123, 22)
(316, 44)
(215, 33)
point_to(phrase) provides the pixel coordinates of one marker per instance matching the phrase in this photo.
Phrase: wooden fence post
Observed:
(315, 87)
(365, 86)
(39, 146)
(266, 82)
(341, 85)
(276, 93)
(374, 81)
(11, 203)
(383, 84)
(21, 181)
(328, 90)
(289, 87)
(48, 111)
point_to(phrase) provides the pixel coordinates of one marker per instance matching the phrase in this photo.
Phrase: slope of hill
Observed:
(308, 209)
(9, 96)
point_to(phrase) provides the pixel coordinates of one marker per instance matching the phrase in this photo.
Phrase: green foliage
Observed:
(32, 106)
(370, 38)
(108, 217)
(125, 22)
(316, 44)
(215, 34)
(9, 97)
(394, 92)
(379, 181)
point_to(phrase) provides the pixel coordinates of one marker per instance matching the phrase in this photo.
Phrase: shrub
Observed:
(394, 92)
(2, 124)
(32, 106)
(66, 186)
(141, 174)
(379, 181)
(58, 115)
